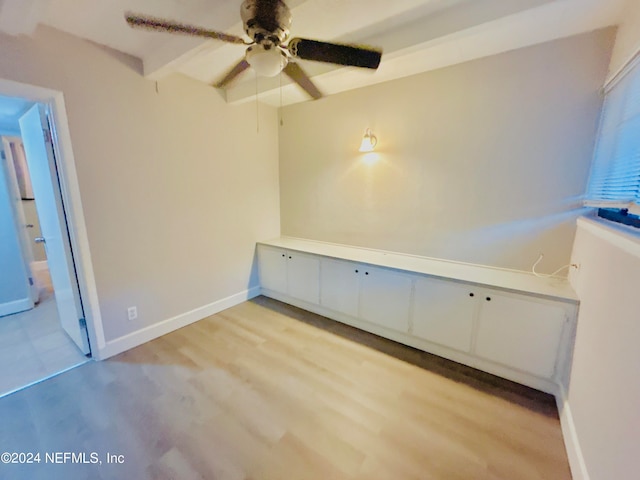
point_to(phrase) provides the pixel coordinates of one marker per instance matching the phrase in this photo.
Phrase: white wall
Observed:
(602, 418)
(628, 37)
(13, 279)
(481, 162)
(176, 185)
(604, 391)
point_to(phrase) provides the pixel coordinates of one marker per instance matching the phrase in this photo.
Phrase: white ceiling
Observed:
(416, 35)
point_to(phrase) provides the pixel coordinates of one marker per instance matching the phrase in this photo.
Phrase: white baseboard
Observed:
(16, 306)
(144, 335)
(571, 442)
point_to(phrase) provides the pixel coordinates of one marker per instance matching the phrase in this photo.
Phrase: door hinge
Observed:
(83, 323)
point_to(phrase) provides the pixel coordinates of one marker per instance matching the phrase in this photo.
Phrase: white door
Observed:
(385, 298)
(44, 179)
(443, 312)
(340, 286)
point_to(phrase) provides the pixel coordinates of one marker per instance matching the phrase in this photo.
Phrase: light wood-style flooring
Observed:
(267, 391)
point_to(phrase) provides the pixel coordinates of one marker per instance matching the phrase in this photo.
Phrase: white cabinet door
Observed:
(272, 263)
(443, 312)
(340, 286)
(520, 333)
(385, 298)
(303, 277)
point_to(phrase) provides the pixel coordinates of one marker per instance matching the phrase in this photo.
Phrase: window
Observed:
(614, 185)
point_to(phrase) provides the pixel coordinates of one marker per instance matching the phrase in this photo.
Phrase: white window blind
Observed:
(615, 172)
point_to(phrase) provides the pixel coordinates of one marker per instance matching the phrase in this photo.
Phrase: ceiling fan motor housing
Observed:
(266, 20)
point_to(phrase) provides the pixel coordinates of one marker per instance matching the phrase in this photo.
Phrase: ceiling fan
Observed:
(267, 23)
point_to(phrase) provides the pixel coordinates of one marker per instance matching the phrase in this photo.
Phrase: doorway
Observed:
(43, 330)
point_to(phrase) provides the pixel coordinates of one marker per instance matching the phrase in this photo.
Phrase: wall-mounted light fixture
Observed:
(369, 142)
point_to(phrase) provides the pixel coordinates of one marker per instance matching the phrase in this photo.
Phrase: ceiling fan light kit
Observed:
(267, 23)
(267, 62)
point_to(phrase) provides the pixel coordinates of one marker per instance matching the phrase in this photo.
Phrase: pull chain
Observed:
(257, 107)
(281, 120)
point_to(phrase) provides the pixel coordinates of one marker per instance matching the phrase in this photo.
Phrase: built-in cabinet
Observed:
(293, 273)
(511, 329)
(376, 295)
(444, 312)
(523, 336)
(520, 332)
(385, 298)
(340, 282)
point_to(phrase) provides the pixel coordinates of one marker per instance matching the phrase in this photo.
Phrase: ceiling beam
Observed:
(551, 21)
(433, 37)
(164, 61)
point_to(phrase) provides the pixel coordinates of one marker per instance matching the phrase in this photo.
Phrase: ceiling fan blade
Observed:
(232, 74)
(350, 55)
(161, 25)
(295, 73)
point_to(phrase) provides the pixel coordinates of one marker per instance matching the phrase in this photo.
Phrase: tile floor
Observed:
(34, 347)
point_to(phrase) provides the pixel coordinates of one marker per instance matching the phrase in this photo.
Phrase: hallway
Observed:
(33, 345)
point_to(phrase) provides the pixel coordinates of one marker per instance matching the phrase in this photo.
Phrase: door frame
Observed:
(70, 190)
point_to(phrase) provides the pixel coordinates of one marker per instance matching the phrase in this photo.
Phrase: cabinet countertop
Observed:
(557, 288)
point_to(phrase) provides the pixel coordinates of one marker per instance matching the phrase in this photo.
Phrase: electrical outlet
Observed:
(132, 313)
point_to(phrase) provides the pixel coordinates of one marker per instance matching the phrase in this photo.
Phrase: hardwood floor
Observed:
(267, 391)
